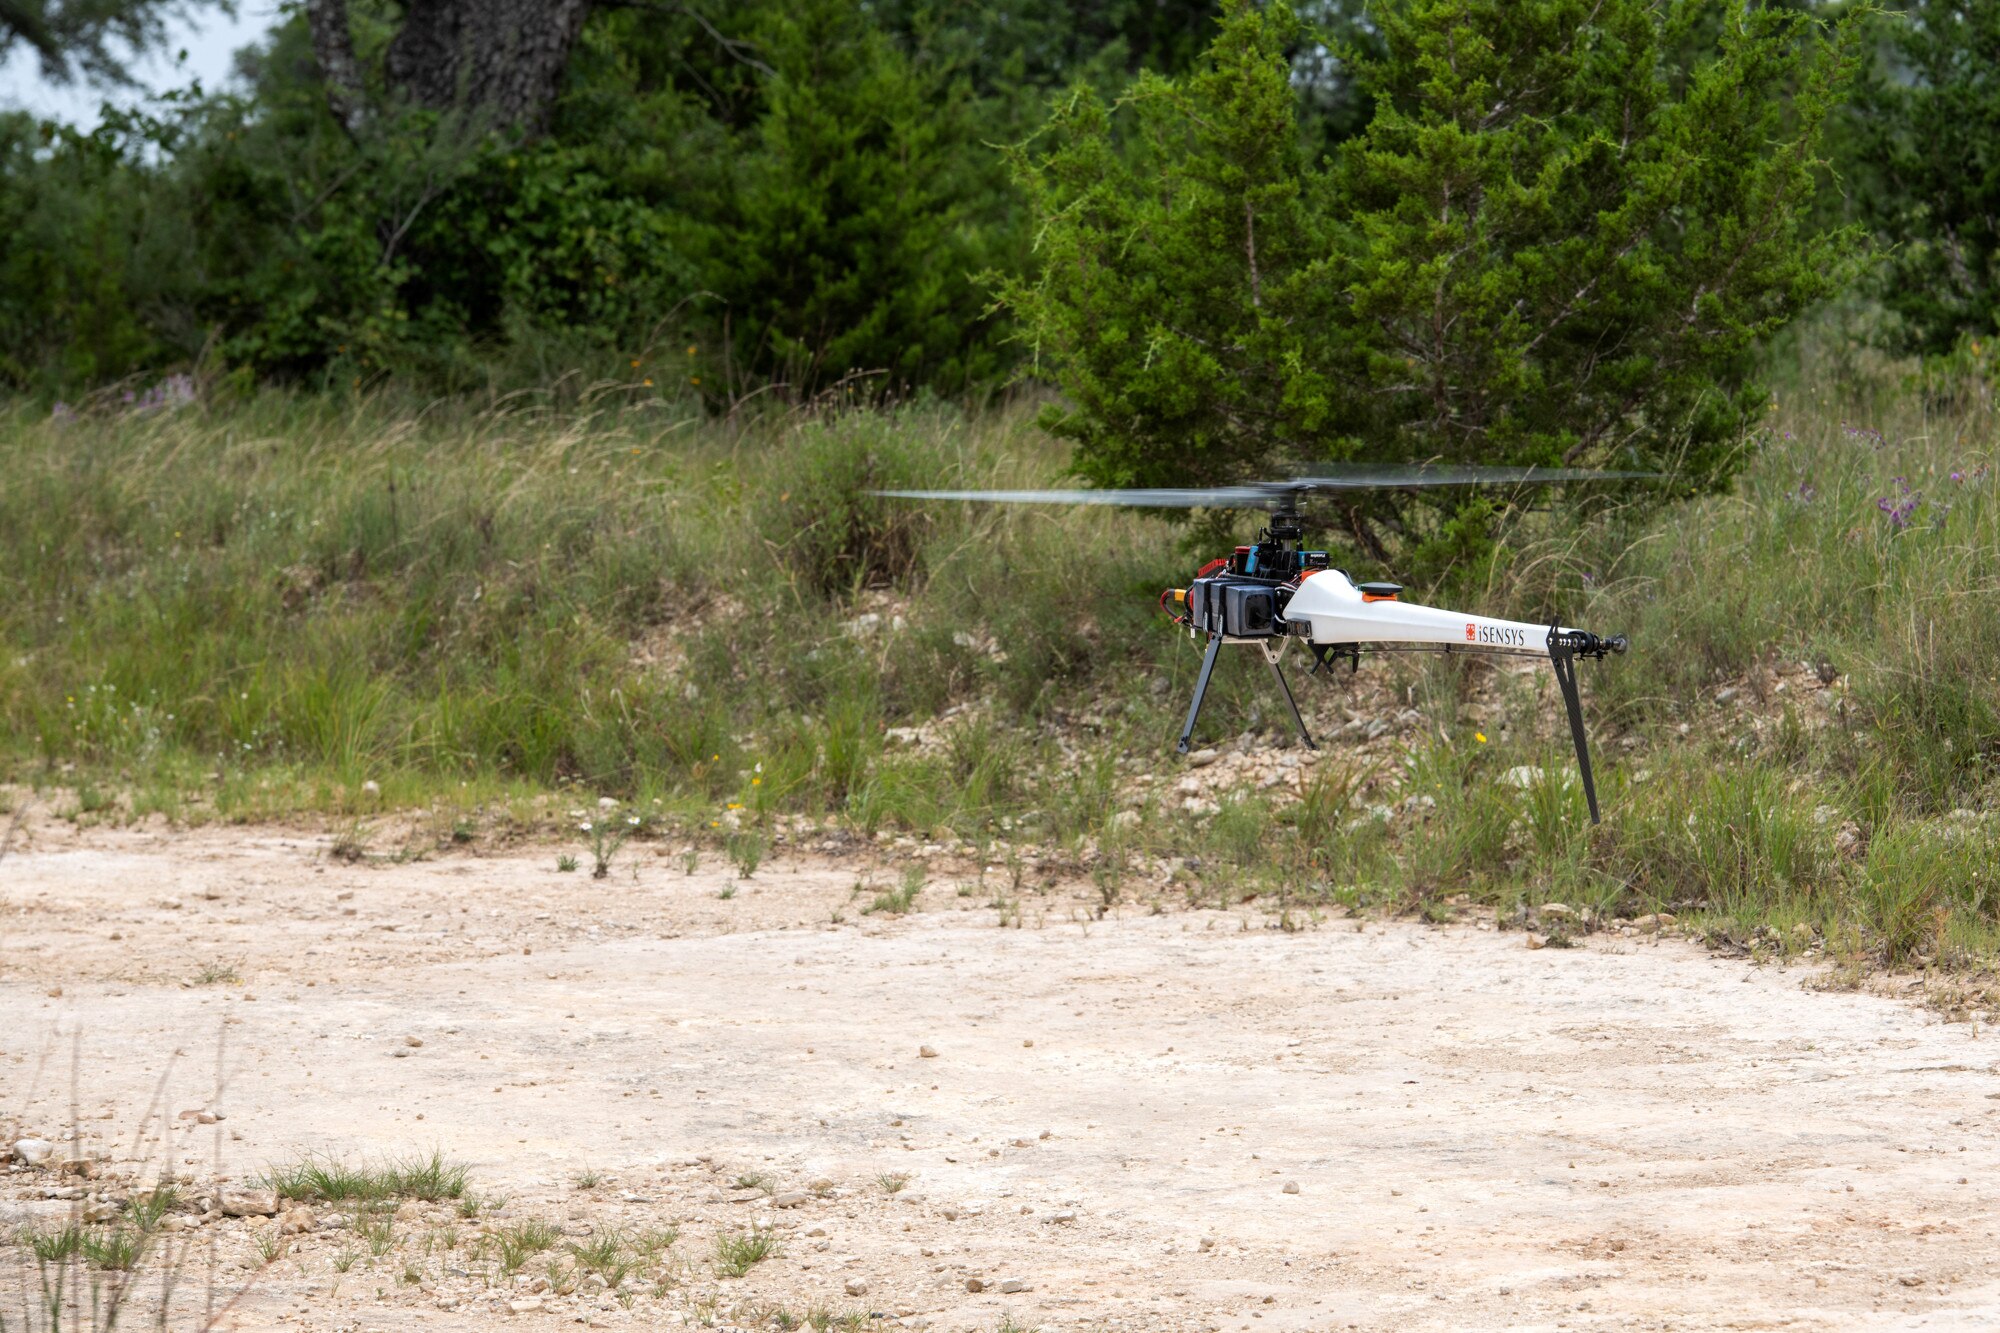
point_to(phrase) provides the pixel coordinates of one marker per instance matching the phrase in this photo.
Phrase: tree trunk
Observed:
(333, 48)
(500, 59)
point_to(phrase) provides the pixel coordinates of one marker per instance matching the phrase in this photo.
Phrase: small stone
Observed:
(296, 1222)
(1063, 1217)
(526, 1306)
(1560, 911)
(1202, 758)
(790, 1199)
(34, 1152)
(1911, 1280)
(1291, 1187)
(371, 788)
(1028, 1041)
(1010, 1285)
(820, 1184)
(1023, 1143)
(975, 1284)
(249, 1203)
(857, 1286)
(1727, 695)
(1536, 941)
(413, 1042)
(926, 1052)
(101, 1212)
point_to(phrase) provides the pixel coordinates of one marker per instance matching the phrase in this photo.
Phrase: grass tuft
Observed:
(737, 1255)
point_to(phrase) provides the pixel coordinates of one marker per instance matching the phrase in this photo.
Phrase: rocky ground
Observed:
(685, 1099)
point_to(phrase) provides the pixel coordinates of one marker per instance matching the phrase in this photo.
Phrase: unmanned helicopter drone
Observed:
(1268, 593)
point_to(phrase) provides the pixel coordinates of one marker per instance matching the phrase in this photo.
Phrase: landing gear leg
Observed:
(1564, 663)
(1271, 656)
(1200, 689)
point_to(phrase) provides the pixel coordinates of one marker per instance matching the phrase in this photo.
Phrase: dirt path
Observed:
(1629, 1134)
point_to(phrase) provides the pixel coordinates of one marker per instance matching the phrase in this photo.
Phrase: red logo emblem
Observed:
(1470, 632)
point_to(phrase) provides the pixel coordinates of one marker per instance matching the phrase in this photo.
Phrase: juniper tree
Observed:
(1559, 240)
(1925, 153)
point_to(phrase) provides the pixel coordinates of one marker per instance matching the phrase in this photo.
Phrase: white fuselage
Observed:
(1329, 602)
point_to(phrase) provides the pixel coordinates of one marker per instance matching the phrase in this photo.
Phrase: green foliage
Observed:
(860, 211)
(78, 265)
(1559, 239)
(1919, 153)
(804, 204)
(429, 1178)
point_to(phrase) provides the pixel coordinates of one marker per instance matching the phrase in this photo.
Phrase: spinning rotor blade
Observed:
(1281, 494)
(1365, 478)
(1214, 497)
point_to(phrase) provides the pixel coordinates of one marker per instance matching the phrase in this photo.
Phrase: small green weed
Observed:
(902, 899)
(54, 1246)
(746, 851)
(605, 1255)
(431, 1179)
(521, 1241)
(351, 843)
(737, 1255)
(115, 1249)
(147, 1210)
(377, 1231)
(608, 832)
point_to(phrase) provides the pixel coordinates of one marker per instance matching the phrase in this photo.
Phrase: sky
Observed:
(211, 40)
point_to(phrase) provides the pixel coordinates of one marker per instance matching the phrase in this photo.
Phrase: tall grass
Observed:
(238, 611)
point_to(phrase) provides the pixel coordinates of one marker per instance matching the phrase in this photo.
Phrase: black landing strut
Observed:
(1208, 670)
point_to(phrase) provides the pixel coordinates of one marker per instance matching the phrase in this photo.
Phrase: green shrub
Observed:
(1559, 239)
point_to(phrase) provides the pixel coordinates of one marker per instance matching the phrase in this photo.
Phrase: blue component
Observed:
(1250, 565)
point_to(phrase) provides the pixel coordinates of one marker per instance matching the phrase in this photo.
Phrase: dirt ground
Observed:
(1180, 1121)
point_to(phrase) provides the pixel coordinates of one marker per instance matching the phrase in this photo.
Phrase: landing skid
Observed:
(1271, 656)
(1562, 653)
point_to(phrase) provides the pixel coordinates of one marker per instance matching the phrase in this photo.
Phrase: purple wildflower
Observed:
(1899, 511)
